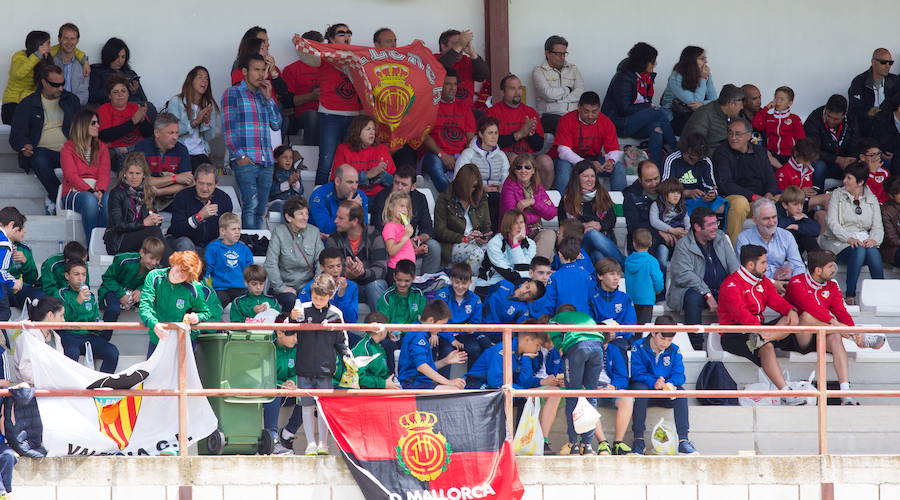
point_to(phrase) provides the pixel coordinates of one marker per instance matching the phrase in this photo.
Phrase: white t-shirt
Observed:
(192, 141)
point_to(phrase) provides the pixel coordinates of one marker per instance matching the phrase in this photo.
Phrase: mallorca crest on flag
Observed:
(426, 446)
(400, 87)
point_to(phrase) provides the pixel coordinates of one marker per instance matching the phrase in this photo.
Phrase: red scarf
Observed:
(835, 132)
(645, 85)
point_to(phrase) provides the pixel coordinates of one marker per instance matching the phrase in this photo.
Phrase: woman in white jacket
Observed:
(854, 229)
(46, 309)
(508, 254)
(485, 153)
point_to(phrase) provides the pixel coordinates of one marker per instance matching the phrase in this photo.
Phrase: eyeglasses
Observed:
(858, 208)
(737, 134)
(886, 62)
(560, 54)
(343, 33)
(524, 167)
(54, 84)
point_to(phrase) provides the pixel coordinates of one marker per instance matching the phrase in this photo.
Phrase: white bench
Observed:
(688, 353)
(97, 249)
(882, 296)
(235, 201)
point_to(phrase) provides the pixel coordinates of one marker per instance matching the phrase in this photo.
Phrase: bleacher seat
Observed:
(556, 198)
(880, 296)
(715, 352)
(263, 233)
(235, 201)
(97, 249)
(310, 156)
(429, 200)
(688, 353)
(885, 354)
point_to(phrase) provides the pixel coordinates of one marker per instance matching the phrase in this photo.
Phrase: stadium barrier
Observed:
(182, 393)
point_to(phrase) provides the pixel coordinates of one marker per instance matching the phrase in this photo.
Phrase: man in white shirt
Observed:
(558, 84)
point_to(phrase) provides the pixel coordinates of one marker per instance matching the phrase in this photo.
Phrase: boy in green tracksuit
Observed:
(286, 378)
(248, 305)
(402, 303)
(81, 305)
(53, 270)
(377, 374)
(173, 295)
(124, 278)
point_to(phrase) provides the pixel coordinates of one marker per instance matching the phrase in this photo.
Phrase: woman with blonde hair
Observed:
(523, 190)
(130, 207)
(85, 165)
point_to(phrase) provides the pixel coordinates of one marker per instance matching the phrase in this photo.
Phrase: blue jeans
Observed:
(92, 214)
(43, 161)
(617, 179)
(662, 254)
(643, 125)
(583, 363)
(310, 122)
(855, 259)
(270, 416)
(599, 245)
(17, 300)
(373, 291)
(255, 182)
(434, 167)
(822, 171)
(332, 131)
(73, 346)
(639, 417)
(111, 313)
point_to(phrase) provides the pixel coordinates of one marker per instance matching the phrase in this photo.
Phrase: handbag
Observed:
(680, 109)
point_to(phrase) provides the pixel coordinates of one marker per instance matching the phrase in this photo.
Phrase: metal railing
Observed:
(822, 393)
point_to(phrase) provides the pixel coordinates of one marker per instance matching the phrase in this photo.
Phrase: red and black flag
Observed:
(449, 446)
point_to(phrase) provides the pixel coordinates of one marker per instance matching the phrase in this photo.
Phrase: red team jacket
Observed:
(587, 141)
(743, 298)
(511, 119)
(875, 183)
(782, 129)
(821, 300)
(794, 174)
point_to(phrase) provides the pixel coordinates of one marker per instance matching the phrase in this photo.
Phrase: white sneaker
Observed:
(323, 448)
(281, 450)
(312, 449)
(792, 400)
(873, 341)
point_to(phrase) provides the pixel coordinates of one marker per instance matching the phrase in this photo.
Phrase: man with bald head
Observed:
(324, 200)
(752, 104)
(871, 88)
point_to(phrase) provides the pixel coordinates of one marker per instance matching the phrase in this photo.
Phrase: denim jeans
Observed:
(92, 214)
(310, 122)
(643, 125)
(693, 305)
(255, 182)
(111, 313)
(639, 417)
(617, 179)
(823, 171)
(270, 416)
(373, 291)
(434, 168)
(73, 346)
(43, 162)
(599, 245)
(332, 131)
(855, 259)
(662, 254)
(431, 261)
(17, 300)
(583, 363)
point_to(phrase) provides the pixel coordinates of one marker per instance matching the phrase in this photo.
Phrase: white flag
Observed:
(130, 425)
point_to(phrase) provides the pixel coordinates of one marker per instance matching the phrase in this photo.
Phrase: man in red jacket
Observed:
(743, 298)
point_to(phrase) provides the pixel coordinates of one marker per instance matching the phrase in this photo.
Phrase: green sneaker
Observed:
(620, 448)
(603, 448)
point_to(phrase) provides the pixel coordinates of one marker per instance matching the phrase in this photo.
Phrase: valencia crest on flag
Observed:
(426, 447)
(400, 87)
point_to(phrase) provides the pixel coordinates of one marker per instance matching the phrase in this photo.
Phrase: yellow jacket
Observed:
(21, 74)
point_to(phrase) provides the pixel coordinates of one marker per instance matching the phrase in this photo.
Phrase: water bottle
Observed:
(60, 243)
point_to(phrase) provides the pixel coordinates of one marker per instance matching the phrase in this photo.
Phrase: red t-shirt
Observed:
(337, 93)
(587, 141)
(302, 78)
(453, 121)
(363, 161)
(110, 117)
(465, 90)
(511, 119)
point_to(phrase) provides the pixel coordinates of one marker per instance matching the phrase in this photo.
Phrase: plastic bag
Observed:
(664, 439)
(759, 401)
(89, 356)
(529, 439)
(585, 416)
(804, 385)
(350, 378)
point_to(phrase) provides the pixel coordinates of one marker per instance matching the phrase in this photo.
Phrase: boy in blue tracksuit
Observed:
(508, 305)
(465, 309)
(417, 368)
(488, 371)
(569, 283)
(610, 303)
(643, 276)
(656, 364)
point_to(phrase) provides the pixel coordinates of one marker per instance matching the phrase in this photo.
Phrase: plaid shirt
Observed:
(247, 117)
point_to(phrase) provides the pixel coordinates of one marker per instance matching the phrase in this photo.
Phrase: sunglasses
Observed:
(524, 167)
(343, 33)
(858, 208)
(95, 122)
(886, 62)
(54, 84)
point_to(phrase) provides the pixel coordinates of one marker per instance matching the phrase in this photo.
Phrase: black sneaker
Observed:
(283, 441)
(620, 448)
(548, 449)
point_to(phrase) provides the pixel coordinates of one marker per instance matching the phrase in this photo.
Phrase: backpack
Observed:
(714, 376)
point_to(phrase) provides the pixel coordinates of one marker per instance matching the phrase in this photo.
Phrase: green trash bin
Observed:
(237, 360)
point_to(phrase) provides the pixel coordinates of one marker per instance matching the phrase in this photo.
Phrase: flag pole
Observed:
(508, 381)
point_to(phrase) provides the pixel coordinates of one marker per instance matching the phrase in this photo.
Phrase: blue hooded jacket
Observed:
(501, 307)
(569, 285)
(647, 366)
(467, 312)
(323, 206)
(643, 278)
(415, 350)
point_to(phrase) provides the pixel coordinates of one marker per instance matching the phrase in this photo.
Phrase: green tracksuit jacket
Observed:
(164, 302)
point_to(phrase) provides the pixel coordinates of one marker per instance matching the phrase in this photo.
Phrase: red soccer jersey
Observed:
(453, 121)
(586, 140)
(337, 93)
(363, 161)
(875, 183)
(794, 174)
(465, 89)
(782, 128)
(302, 78)
(511, 120)
(743, 298)
(821, 300)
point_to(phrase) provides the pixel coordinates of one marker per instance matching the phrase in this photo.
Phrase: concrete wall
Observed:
(169, 37)
(582, 478)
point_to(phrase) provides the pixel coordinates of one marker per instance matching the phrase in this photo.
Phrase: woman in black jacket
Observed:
(588, 201)
(114, 59)
(629, 102)
(131, 217)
